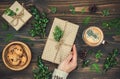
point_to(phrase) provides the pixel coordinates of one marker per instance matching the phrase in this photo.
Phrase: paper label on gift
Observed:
(57, 55)
(22, 16)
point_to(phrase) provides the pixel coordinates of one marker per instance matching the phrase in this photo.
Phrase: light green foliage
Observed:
(58, 33)
(42, 71)
(72, 9)
(98, 54)
(86, 20)
(53, 9)
(9, 37)
(111, 60)
(95, 67)
(39, 23)
(113, 24)
(5, 26)
(9, 12)
(106, 12)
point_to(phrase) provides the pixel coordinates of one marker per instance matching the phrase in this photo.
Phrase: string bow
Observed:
(17, 18)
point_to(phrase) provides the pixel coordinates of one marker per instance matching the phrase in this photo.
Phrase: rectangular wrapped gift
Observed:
(55, 51)
(21, 17)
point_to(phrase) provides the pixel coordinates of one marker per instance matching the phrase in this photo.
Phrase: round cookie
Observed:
(11, 48)
(23, 60)
(13, 58)
(18, 50)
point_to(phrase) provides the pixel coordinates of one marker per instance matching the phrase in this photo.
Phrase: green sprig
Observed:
(72, 9)
(9, 37)
(106, 12)
(95, 67)
(9, 12)
(42, 71)
(5, 26)
(86, 20)
(39, 23)
(85, 63)
(53, 9)
(113, 24)
(99, 54)
(83, 10)
(111, 60)
(58, 33)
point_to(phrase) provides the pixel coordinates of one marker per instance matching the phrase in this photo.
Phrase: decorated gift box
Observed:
(60, 41)
(16, 15)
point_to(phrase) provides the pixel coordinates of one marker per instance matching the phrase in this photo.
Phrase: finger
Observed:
(68, 58)
(74, 52)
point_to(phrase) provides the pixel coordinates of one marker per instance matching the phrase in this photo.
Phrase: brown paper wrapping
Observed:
(20, 19)
(57, 55)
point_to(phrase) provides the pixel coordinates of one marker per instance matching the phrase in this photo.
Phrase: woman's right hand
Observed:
(70, 62)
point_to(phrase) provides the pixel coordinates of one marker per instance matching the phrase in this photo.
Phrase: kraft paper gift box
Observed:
(54, 51)
(21, 17)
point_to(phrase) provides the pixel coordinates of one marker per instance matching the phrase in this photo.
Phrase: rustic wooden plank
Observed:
(77, 74)
(63, 12)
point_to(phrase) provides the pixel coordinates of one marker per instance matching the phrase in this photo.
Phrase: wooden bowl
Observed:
(16, 56)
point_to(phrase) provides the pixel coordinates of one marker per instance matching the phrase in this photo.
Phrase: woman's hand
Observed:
(70, 62)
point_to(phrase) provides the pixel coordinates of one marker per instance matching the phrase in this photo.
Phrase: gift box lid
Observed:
(53, 51)
(22, 16)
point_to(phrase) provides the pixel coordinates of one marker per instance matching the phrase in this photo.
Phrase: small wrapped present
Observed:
(16, 15)
(56, 50)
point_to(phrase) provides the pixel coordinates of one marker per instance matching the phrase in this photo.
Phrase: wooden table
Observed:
(37, 44)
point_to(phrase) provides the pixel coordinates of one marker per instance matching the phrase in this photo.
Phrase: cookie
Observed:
(23, 60)
(13, 58)
(11, 48)
(18, 50)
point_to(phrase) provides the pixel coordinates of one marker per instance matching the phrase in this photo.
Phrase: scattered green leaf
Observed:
(106, 12)
(5, 26)
(58, 33)
(85, 63)
(53, 9)
(42, 71)
(113, 24)
(95, 67)
(98, 54)
(39, 23)
(111, 60)
(72, 9)
(86, 20)
(9, 12)
(83, 10)
(9, 37)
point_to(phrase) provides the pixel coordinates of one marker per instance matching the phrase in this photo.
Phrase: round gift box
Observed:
(26, 53)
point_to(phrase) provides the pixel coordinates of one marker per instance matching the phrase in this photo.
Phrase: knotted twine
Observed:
(60, 43)
(18, 17)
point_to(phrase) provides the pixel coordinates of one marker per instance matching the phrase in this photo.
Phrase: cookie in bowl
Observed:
(16, 56)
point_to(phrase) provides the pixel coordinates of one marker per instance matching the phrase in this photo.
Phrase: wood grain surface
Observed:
(37, 44)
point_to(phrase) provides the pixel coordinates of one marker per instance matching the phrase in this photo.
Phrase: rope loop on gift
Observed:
(60, 43)
(18, 17)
